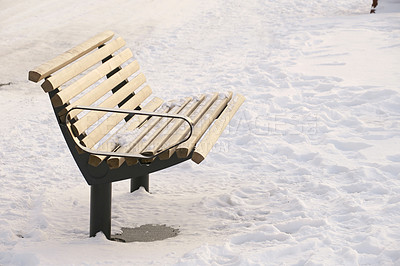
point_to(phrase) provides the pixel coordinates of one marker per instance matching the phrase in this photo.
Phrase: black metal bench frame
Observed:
(100, 178)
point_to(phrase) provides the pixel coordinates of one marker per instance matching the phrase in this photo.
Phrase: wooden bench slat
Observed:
(108, 124)
(111, 144)
(142, 134)
(215, 131)
(69, 56)
(85, 63)
(171, 128)
(184, 129)
(90, 118)
(155, 131)
(98, 92)
(200, 128)
(83, 83)
(116, 162)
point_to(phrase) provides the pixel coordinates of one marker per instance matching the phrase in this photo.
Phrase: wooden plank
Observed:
(98, 92)
(83, 83)
(147, 136)
(206, 144)
(183, 130)
(112, 143)
(171, 128)
(108, 124)
(134, 135)
(200, 128)
(78, 67)
(69, 56)
(90, 118)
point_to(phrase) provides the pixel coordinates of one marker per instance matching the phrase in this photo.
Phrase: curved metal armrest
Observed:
(134, 112)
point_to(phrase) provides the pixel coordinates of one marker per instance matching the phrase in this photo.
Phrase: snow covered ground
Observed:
(307, 173)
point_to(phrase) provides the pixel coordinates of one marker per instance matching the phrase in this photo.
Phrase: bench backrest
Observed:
(96, 72)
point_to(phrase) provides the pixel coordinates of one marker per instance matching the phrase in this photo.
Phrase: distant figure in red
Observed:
(373, 6)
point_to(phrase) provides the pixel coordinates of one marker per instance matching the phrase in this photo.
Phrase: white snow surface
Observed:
(307, 172)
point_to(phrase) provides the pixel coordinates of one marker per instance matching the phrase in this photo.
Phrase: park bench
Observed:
(113, 127)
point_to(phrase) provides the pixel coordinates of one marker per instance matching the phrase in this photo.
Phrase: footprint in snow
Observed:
(349, 146)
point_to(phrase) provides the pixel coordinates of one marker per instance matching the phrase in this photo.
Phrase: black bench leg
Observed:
(100, 209)
(140, 181)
